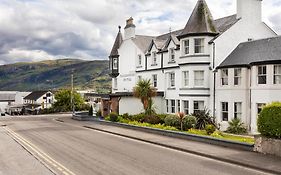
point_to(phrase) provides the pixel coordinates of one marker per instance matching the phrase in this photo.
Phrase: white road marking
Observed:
(40, 153)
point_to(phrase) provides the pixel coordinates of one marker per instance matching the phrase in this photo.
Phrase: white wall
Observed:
(132, 105)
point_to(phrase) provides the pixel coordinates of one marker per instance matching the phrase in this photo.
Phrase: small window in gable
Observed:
(172, 55)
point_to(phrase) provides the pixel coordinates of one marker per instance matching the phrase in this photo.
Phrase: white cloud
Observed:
(43, 29)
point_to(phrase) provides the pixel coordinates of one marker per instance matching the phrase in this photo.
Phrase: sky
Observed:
(35, 30)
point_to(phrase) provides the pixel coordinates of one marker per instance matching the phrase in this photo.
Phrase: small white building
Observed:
(182, 64)
(39, 100)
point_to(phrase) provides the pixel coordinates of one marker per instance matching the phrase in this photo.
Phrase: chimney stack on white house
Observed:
(249, 10)
(130, 29)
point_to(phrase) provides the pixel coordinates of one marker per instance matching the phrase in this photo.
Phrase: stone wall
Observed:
(268, 146)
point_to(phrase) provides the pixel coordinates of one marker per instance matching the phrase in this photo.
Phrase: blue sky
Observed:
(33, 30)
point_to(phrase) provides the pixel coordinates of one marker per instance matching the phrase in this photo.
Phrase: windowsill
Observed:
(154, 64)
(172, 88)
(195, 88)
(195, 55)
(171, 62)
(138, 67)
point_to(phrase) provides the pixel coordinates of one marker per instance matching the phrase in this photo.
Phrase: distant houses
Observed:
(11, 102)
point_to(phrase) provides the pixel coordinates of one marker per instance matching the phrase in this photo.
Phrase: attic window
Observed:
(186, 47)
(154, 58)
(115, 63)
(172, 55)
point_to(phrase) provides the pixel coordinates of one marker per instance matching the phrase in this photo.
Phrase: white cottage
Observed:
(182, 64)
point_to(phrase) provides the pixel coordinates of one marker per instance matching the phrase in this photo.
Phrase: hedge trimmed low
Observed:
(269, 120)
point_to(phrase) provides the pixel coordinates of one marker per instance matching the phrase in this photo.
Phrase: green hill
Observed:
(55, 74)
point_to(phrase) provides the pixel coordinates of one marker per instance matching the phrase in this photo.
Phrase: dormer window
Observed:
(115, 63)
(199, 45)
(261, 74)
(172, 55)
(224, 77)
(154, 58)
(186, 47)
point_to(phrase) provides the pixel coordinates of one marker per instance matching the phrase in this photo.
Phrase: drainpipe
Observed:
(214, 80)
(250, 98)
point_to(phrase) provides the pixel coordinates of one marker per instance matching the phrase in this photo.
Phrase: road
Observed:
(72, 149)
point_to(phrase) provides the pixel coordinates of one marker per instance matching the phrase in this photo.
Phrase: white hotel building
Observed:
(201, 66)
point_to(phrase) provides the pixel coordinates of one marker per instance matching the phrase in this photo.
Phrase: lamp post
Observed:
(72, 95)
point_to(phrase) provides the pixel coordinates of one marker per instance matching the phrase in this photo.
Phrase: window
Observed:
(115, 63)
(261, 74)
(199, 45)
(172, 80)
(237, 76)
(186, 47)
(224, 111)
(154, 80)
(154, 58)
(139, 60)
(237, 110)
(198, 106)
(198, 78)
(186, 107)
(185, 78)
(277, 74)
(173, 106)
(224, 77)
(172, 55)
(260, 106)
(179, 105)
(167, 105)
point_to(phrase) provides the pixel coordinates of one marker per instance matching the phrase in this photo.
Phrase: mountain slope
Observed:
(55, 74)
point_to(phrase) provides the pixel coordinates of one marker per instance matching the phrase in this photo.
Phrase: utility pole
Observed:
(72, 94)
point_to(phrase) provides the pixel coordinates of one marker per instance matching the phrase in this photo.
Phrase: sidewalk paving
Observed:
(15, 160)
(249, 159)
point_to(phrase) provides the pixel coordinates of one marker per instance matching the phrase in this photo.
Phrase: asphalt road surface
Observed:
(70, 149)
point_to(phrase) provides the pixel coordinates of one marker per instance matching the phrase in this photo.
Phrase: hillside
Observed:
(55, 74)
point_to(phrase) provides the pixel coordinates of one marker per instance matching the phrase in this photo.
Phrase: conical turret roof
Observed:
(200, 21)
(117, 44)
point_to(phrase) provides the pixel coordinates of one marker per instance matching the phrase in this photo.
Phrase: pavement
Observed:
(15, 160)
(267, 163)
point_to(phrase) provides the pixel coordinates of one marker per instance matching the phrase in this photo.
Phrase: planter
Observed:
(267, 145)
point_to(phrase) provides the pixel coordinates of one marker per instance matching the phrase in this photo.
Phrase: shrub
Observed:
(210, 129)
(203, 118)
(172, 120)
(113, 117)
(126, 116)
(99, 113)
(162, 117)
(138, 117)
(151, 119)
(189, 122)
(269, 120)
(236, 126)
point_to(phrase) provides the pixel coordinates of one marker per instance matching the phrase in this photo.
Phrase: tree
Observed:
(63, 101)
(144, 91)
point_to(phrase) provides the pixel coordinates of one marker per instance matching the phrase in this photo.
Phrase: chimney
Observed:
(130, 29)
(249, 10)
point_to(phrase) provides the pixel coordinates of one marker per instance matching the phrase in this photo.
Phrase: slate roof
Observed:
(117, 44)
(143, 42)
(35, 95)
(200, 22)
(262, 51)
(7, 97)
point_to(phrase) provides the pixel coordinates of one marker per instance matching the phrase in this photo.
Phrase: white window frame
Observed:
(167, 106)
(173, 106)
(139, 60)
(185, 107)
(185, 75)
(199, 46)
(172, 79)
(262, 74)
(115, 63)
(277, 74)
(186, 46)
(237, 76)
(224, 77)
(238, 110)
(172, 55)
(224, 111)
(179, 105)
(154, 80)
(199, 79)
(200, 105)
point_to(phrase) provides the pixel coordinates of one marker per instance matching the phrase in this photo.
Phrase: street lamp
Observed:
(72, 95)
